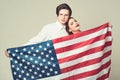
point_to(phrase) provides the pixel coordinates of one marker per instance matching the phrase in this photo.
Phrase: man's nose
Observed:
(63, 16)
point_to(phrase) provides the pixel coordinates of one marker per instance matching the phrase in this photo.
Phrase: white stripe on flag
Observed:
(85, 58)
(80, 39)
(84, 69)
(97, 75)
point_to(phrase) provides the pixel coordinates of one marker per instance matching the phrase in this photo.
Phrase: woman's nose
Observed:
(77, 23)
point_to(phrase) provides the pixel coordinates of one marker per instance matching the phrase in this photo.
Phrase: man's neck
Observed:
(61, 24)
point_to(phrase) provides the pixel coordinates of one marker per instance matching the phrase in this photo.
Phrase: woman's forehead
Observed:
(72, 20)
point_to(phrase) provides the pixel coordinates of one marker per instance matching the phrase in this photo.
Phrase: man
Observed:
(54, 30)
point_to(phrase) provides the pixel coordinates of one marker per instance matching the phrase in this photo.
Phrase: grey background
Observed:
(20, 20)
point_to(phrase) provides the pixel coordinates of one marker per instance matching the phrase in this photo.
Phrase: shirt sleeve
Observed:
(40, 37)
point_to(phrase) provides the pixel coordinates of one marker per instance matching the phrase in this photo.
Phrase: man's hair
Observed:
(63, 6)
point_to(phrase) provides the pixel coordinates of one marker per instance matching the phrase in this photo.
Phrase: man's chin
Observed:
(63, 23)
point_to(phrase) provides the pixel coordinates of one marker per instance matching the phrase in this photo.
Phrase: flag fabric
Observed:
(81, 56)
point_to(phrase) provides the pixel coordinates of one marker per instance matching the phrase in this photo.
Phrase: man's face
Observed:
(63, 16)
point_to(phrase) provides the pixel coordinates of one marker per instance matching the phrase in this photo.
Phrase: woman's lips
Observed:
(77, 25)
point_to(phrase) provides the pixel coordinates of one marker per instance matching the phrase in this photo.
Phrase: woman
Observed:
(72, 26)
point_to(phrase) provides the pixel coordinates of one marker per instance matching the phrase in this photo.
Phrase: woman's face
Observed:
(73, 25)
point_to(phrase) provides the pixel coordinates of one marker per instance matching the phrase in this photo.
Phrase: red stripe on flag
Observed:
(88, 73)
(105, 76)
(85, 53)
(81, 44)
(86, 63)
(86, 32)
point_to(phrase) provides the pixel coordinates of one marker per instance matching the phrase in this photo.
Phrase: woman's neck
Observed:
(76, 32)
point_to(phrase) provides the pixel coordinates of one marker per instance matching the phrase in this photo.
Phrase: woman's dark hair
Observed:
(63, 6)
(67, 27)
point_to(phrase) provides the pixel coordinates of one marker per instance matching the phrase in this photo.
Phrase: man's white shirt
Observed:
(49, 32)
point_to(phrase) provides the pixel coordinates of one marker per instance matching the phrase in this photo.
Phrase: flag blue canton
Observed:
(34, 61)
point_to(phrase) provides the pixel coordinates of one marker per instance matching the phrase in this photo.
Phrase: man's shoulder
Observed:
(51, 24)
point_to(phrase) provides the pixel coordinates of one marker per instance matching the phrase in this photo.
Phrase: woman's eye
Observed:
(71, 23)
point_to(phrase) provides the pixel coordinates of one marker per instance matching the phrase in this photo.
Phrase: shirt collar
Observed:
(60, 25)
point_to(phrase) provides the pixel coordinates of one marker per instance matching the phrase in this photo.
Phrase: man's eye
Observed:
(66, 15)
(60, 14)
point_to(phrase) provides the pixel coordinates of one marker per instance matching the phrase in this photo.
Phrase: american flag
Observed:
(82, 56)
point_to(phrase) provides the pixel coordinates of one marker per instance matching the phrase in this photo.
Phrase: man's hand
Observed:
(6, 54)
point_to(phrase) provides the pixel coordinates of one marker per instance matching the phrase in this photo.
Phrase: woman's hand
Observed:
(109, 24)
